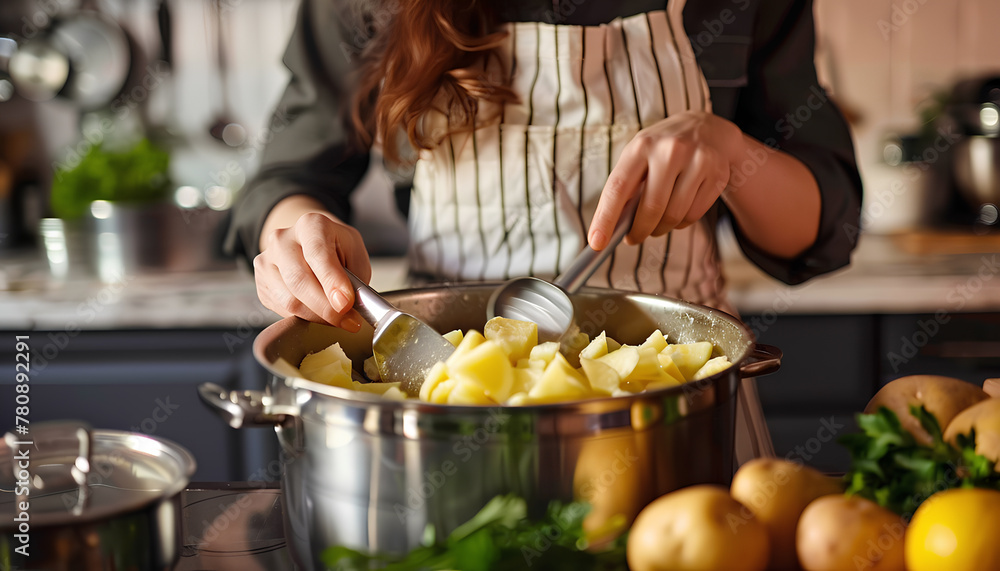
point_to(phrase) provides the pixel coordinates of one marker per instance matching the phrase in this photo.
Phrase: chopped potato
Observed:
(468, 392)
(331, 366)
(597, 348)
(647, 369)
(487, 366)
(470, 340)
(437, 375)
(690, 357)
(371, 369)
(506, 365)
(656, 340)
(623, 360)
(713, 366)
(560, 382)
(514, 336)
(669, 367)
(545, 351)
(454, 337)
(602, 377)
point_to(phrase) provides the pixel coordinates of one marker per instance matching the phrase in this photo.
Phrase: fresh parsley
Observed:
(499, 538)
(889, 467)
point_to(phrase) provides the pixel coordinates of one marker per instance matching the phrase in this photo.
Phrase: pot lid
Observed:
(65, 473)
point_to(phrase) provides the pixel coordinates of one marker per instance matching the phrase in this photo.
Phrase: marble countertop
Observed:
(888, 274)
(904, 273)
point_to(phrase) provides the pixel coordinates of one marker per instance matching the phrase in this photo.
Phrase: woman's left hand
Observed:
(680, 164)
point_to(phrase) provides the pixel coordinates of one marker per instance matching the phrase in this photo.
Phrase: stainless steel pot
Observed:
(371, 474)
(90, 500)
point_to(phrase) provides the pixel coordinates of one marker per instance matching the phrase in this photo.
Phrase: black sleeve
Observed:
(307, 147)
(783, 105)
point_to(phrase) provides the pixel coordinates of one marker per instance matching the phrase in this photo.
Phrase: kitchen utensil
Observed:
(977, 171)
(370, 473)
(404, 347)
(98, 499)
(85, 57)
(225, 128)
(547, 304)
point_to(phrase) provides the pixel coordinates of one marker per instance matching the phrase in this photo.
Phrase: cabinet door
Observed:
(146, 382)
(827, 375)
(961, 345)
(829, 362)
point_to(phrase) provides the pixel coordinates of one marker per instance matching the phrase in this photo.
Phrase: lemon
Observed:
(955, 530)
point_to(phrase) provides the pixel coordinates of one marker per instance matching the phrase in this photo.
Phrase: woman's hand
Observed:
(300, 270)
(681, 165)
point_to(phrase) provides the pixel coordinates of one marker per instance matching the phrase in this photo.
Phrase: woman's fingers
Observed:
(684, 161)
(704, 199)
(666, 166)
(622, 184)
(301, 271)
(326, 249)
(275, 295)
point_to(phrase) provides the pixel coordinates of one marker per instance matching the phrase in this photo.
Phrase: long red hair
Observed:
(428, 47)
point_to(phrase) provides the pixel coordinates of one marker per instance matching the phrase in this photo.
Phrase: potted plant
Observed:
(106, 209)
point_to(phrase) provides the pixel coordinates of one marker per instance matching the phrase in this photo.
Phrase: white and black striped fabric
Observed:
(515, 197)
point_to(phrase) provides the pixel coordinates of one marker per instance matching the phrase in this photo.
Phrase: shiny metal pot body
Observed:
(103, 500)
(372, 474)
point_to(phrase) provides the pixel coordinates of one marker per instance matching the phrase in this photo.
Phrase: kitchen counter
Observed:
(920, 272)
(889, 274)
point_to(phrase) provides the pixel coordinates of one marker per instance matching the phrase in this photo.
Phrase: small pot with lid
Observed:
(82, 499)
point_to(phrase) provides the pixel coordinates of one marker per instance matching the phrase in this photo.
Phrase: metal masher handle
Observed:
(372, 306)
(589, 259)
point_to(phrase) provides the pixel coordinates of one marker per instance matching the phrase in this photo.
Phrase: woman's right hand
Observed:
(300, 270)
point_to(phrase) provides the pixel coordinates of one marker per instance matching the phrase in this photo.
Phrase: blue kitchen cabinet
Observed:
(146, 381)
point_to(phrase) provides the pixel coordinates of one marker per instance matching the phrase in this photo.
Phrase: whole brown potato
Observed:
(944, 397)
(776, 491)
(984, 416)
(839, 533)
(697, 528)
(992, 387)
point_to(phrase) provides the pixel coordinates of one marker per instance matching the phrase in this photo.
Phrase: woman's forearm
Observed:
(774, 199)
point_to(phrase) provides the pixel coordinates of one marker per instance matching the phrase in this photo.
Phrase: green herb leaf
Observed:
(889, 467)
(499, 538)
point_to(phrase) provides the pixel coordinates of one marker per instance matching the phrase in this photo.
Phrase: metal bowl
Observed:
(371, 474)
(977, 170)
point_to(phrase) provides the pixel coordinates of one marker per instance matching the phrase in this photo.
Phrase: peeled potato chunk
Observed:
(603, 377)
(597, 348)
(545, 352)
(487, 366)
(454, 336)
(507, 365)
(623, 360)
(560, 382)
(690, 357)
(330, 366)
(656, 340)
(515, 337)
(713, 366)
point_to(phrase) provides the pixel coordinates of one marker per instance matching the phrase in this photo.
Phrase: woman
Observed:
(533, 123)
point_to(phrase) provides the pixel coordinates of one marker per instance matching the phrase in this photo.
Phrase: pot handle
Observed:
(763, 360)
(240, 408)
(51, 444)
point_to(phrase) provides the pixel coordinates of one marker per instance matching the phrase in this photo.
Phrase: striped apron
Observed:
(515, 195)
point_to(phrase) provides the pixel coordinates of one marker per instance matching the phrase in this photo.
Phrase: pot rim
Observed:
(289, 373)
